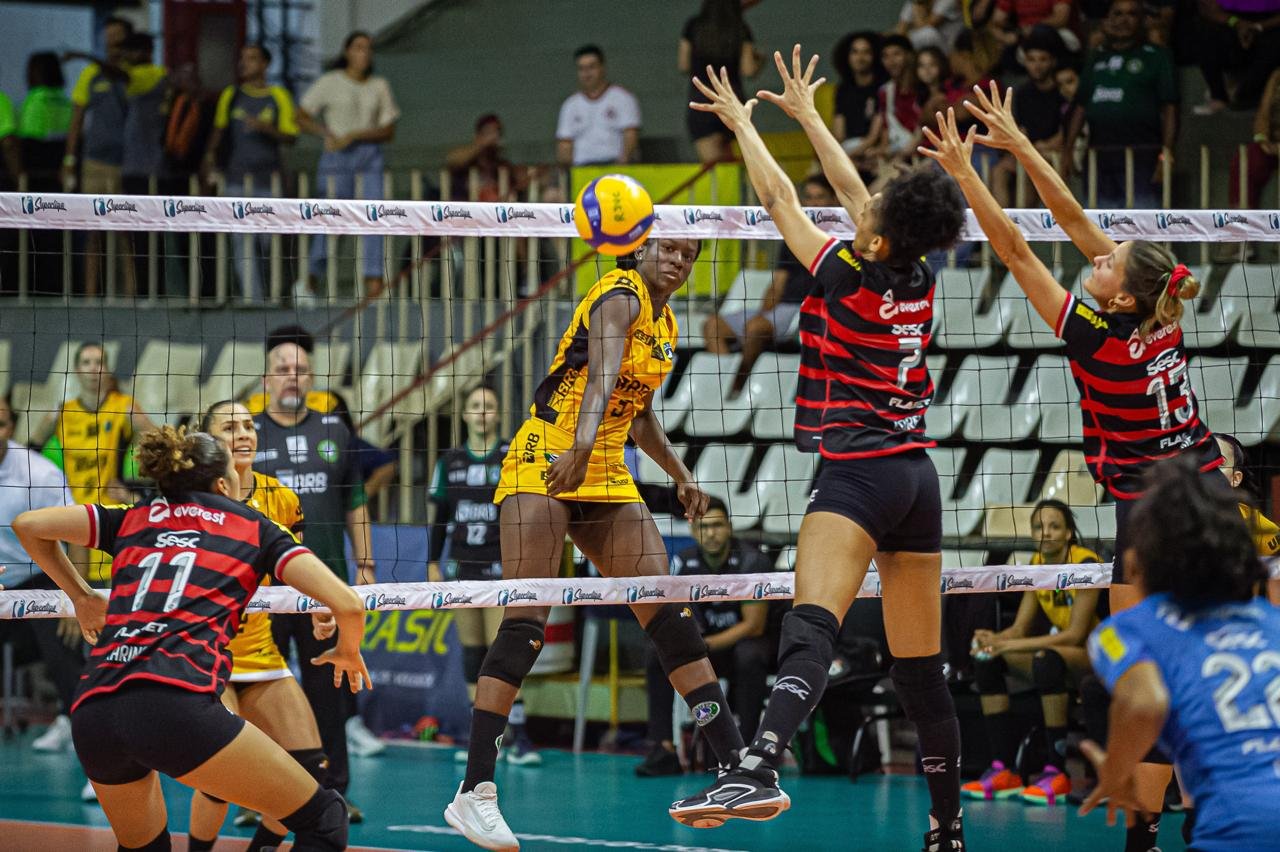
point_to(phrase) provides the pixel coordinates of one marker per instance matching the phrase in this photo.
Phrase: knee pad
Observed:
(160, 843)
(315, 761)
(989, 676)
(321, 824)
(675, 636)
(514, 650)
(922, 689)
(213, 799)
(472, 661)
(808, 633)
(1049, 672)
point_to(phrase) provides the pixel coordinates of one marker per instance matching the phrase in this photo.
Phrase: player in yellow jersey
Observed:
(1047, 655)
(261, 688)
(565, 475)
(88, 437)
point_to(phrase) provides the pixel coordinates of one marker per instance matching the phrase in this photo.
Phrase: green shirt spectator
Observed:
(1123, 92)
(7, 124)
(45, 114)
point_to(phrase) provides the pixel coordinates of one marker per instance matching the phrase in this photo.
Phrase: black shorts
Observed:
(1124, 508)
(123, 735)
(471, 570)
(896, 499)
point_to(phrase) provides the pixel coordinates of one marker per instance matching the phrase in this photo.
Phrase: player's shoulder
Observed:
(1079, 554)
(618, 280)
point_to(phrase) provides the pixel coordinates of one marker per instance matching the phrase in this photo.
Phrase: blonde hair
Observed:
(1147, 273)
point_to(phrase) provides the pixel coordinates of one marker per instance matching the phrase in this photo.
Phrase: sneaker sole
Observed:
(996, 795)
(534, 760)
(1043, 801)
(455, 821)
(716, 817)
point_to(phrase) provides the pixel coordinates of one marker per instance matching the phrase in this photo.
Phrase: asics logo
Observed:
(795, 685)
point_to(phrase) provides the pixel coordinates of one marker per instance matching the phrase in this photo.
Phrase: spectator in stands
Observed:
(99, 100)
(30, 481)
(1013, 20)
(1240, 37)
(1129, 96)
(930, 23)
(1260, 154)
(719, 37)
(733, 630)
(1038, 107)
(893, 130)
(599, 123)
(254, 120)
(145, 115)
(9, 145)
(45, 115)
(933, 72)
(1046, 645)
(484, 158)
(353, 110)
(312, 454)
(857, 58)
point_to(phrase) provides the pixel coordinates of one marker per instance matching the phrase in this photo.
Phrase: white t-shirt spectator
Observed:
(28, 480)
(349, 106)
(943, 35)
(595, 125)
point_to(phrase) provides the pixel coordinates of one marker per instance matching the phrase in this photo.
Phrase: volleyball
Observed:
(614, 214)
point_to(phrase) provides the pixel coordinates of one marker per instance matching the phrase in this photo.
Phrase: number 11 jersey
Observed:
(183, 571)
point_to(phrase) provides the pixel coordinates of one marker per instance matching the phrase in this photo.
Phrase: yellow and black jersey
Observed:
(1265, 533)
(254, 655)
(1057, 603)
(89, 444)
(323, 401)
(646, 361)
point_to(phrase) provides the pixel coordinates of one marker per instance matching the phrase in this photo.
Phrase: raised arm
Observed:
(996, 112)
(955, 156)
(771, 183)
(796, 100)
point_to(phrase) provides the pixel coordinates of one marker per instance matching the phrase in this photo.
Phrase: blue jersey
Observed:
(1221, 666)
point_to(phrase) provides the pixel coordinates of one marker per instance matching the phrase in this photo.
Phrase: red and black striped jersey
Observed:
(864, 328)
(1135, 395)
(183, 571)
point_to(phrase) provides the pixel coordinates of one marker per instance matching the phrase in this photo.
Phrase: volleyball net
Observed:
(413, 304)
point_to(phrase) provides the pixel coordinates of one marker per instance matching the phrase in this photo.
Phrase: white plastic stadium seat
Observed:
(166, 379)
(1052, 393)
(1216, 383)
(747, 290)
(964, 558)
(958, 295)
(783, 483)
(671, 407)
(239, 365)
(771, 390)
(1249, 293)
(389, 369)
(1003, 477)
(1070, 481)
(1024, 328)
(720, 470)
(649, 471)
(982, 389)
(329, 363)
(1266, 398)
(712, 413)
(948, 461)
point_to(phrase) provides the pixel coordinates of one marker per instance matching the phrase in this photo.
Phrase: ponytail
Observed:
(1159, 285)
(180, 461)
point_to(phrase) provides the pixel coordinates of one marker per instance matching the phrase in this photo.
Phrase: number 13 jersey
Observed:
(864, 387)
(183, 571)
(1136, 398)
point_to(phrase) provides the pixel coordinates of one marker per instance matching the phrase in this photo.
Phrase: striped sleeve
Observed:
(222, 115)
(286, 122)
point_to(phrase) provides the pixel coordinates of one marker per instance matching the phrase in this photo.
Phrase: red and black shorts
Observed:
(896, 499)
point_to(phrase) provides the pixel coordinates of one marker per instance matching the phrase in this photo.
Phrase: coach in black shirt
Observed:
(734, 632)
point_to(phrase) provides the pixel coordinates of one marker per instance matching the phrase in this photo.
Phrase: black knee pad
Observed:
(676, 637)
(213, 799)
(321, 824)
(1049, 672)
(809, 633)
(160, 843)
(921, 688)
(989, 675)
(472, 661)
(514, 650)
(315, 761)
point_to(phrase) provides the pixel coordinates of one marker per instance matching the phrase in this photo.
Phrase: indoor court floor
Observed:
(587, 802)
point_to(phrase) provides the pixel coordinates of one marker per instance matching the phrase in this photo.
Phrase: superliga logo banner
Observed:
(351, 216)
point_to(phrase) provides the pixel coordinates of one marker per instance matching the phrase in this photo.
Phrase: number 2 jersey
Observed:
(466, 516)
(864, 328)
(182, 572)
(1136, 398)
(1221, 667)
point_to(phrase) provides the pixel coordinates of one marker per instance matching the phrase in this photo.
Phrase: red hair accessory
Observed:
(1175, 278)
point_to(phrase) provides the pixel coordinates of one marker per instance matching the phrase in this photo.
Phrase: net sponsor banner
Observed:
(340, 216)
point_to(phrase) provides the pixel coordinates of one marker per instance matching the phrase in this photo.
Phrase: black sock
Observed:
(711, 714)
(1003, 738)
(264, 838)
(940, 758)
(1188, 823)
(194, 844)
(1054, 735)
(482, 753)
(1142, 837)
(808, 638)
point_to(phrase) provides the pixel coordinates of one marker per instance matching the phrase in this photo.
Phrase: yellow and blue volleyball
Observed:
(614, 214)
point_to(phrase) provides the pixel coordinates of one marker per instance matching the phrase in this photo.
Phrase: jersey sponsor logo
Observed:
(35, 204)
(529, 453)
(1260, 745)
(1108, 95)
(159, 511)
(891, 309)
(1232, 639)
(107, 206)
(571, 596)
(640, 593)
(908, 404)
(951, 583)
(124, 654)
(697, 593)
(845, 255)
(912, 330)
(1087, 314)
(469, 511)
(1177, 442)
(476, 474)
(305, 483)
(441, 600)
(380, 601)
(179, 538)
(771, 590)
(510, 597)
(1068, 579)
(297, 448)
(149, 627)
(328, 450)
(174, 207)
(1111, 644)
(906, 424)
(1164, 363)
(1004, 582)
(644, 337)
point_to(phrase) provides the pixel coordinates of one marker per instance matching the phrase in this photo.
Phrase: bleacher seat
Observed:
(1096, 523)
(1003, 477)
(648, 470)
(1052, 393)
(1266, 399)
(166, 379)
(329, 363)
(771, 390)
(747, 290)
(940, 419)
(1024, 328)
(959, 292)
(671, 407)
(1248, 302)
(1217, 383)
(239, 365)
(720, 469)
(390, 368)
(783, 483)
(40, 395)
(980, 398)
(713, 413)
(1070, 481)
(5, 379)
(964, 558)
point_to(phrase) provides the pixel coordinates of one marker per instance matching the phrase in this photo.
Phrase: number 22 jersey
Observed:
(183, 571)
(1221, 667)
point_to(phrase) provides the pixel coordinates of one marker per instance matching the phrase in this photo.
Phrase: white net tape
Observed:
(336, 216)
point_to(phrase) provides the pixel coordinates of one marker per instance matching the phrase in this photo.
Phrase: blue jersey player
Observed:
(1196, 664)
